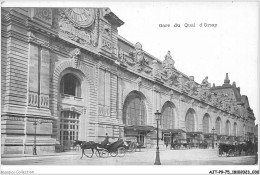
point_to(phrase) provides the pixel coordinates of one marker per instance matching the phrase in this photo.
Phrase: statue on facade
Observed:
(168, 68)
(75, 56)
(139, 57)
(205, 83)
(191, 86)
(181, 83)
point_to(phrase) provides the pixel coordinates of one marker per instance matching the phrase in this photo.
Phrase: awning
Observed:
(140, 128)
(194, 133)
(173, 131)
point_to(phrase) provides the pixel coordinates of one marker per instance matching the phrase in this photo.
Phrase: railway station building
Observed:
(67, 74)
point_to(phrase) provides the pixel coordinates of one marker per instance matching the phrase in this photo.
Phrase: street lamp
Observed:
(34, 144)
(157, 159)
(213, 138)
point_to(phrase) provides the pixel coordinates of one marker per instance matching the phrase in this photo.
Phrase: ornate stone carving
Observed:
(138, 83)
(33, 99)
(44, 101)
(121, 56)
(80, 17)
(168, 69)
(205, 83)
(139, 58)
(181, 84)
(74, 29)
(192, 88)
(43, 14)
(204, 90)
(106, 45)
(75, 56)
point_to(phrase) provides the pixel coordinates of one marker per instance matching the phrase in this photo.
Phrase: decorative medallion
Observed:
(81, 17)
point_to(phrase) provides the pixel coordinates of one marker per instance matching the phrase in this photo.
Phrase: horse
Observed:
(86, 145)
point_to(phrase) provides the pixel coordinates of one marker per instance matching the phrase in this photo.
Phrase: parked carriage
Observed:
(247, 147)
(177, 145)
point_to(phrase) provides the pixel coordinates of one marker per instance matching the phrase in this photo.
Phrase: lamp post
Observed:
(34, 144)
(157, 159)
(213, 138)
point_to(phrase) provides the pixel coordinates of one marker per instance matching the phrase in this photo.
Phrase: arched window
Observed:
(218, 126)
(167, 121)
(235, 129)
(228, 127)
(206, 124)
(190, 121)
(134, 110)
(70, 85)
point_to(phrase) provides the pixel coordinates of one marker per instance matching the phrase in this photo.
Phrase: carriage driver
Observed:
(106, 141)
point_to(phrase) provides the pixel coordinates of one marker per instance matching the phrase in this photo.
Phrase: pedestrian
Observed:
(166, 143)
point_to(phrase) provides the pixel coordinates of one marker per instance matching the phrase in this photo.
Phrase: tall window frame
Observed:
(218, 126)
(168, 117)
(134, 110)
(227, 128)
(190, 121)
(206, 123)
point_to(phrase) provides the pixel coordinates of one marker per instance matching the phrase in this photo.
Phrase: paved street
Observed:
(145, 157)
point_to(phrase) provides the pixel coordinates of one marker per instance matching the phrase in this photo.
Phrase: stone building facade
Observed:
(67, 74)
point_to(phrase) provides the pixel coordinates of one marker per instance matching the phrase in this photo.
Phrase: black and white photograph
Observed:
(129, 87)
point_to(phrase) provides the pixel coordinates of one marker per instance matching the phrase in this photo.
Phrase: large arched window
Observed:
(70, 85)
(218, 126)
(134, 110)
(206, 123)
(235, 129)
(190, 121)
(167, 121)
(228, 127)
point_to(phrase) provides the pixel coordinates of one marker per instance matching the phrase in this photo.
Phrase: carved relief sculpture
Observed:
(76, 24)
(169, 69)
(191, 86)
(75, 56)
(139, 58)
(204, 90)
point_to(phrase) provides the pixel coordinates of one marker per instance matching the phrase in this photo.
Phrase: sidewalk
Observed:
(39, 155)
(4, 156)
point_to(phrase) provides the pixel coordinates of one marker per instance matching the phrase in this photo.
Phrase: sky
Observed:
(230, 47)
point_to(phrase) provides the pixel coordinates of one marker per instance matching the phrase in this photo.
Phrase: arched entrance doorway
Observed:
(70, 103)
(135, 116)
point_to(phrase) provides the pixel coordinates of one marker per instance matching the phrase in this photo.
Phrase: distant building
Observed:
(69, 68)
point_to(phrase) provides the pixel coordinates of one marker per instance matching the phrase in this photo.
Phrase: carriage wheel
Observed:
(113, 154)
(104, 153)
(121, 152)
(98, 153)
(132, 148)
(88, 153)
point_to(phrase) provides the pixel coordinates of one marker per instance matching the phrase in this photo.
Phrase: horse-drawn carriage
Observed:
(247, 147)
(177, 145)
(117, 148)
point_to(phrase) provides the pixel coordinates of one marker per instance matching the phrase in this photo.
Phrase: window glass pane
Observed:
(70, 85)
(206, 124)
(190, 122)
(134, 111)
